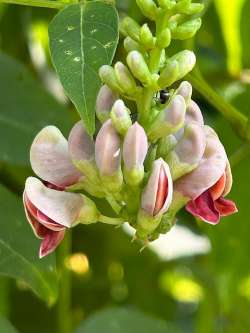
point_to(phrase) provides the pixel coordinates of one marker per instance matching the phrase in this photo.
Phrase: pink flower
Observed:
(209, 183)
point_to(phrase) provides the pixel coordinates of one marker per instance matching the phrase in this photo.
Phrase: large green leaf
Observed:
(121, 320)
(6, 327)
(83, 37)
(25, 107)
(19, 250)
(230, 15)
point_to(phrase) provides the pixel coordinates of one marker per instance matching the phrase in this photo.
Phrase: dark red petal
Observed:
(48, 223)
(225, 207)
(39, 230)
(51, 240)
(162, 191)
(203, 207)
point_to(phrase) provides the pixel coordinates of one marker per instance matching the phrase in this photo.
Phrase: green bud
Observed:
(164, 39)
(148, 8)
(146, 224)
(125, 79)
(107, 75)
(166, 4)
(166, 145)
(139, 68)
(169, 74)
(187, 29)
(131, 45)
(131, 28)
(146, 37)
(120, 116)
(182, 6)
(195, 8)
(89, 213)
(176, 68)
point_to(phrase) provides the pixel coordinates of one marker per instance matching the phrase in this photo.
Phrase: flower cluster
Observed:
(147, 165)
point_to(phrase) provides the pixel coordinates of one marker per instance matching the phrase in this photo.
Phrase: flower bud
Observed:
(188, 8)
(166, 145)
(146, 37)
(104, 102)
(82, 151)
(120, 116)
(194, 114)
(50, 158)
(131, 45)
(148, 8)
(156, 199)
(169, 120)
(164, 38)
(166, 4)
(130, 28)
(187, 29)
(188, 152)
(185, 62)
(185, 90)
(169, 74)
(107, 75)
(125, 79)
(135, 149)
(108, 156)
(139, 68)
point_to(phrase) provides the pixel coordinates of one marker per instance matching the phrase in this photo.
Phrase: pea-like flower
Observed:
(206, 187)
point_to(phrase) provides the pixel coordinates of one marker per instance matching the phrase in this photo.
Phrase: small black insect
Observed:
(162, 96)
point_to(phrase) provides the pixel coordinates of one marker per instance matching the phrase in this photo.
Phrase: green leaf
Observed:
(19, 250)
(25, 108)
(122, 320)
(6, 327)
(83, 37)
(230, 16)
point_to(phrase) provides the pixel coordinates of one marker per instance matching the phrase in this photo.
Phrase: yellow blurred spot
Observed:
(78, 263)
(39, 31)
(115, 271)
(244, 287)
(181, 287)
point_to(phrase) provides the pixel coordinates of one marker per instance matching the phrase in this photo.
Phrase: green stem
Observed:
(64, 301)
(110, 220)
(38, 3)
(236, 118)
(240, 154)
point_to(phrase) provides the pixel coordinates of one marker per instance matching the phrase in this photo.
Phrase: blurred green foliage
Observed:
(193, 293)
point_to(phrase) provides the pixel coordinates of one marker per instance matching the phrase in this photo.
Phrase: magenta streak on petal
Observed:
(204, 208)
(225, 207)
(162, 191)
(51, 240)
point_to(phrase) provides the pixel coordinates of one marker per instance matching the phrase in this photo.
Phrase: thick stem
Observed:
(38, 3)
(110, 220)
(64, 324)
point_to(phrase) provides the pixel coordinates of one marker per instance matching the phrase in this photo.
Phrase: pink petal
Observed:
(48, 223)
(225, 207)
(162, 191)
(51, 240)
(50, 159)
(204, 208)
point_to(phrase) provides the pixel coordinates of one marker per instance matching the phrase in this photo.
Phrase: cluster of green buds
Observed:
(146, 164)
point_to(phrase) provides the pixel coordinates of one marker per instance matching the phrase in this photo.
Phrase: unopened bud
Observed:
(148, 8)
(125, 79)
(108, 156)
(104, 102)
(131, 45)
(169, 74)
(169, 120)
(135, 149)
(139, 68)
(166, 145)
(120, 116)
(146, 37)
(107, 75)
(185, 63)
(194, 114)
(188, 151)
(164, 38)
(166, 4)
(156, 199)
(185, 90)
(187, 29)
(131, 28)
(191, 8)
